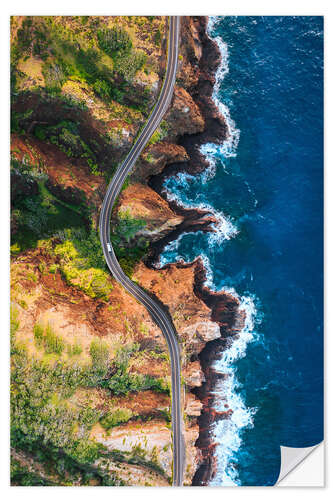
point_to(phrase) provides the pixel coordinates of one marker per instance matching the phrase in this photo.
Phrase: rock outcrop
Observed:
(184, 116)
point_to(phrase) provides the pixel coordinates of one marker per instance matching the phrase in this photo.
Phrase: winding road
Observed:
(153, 307)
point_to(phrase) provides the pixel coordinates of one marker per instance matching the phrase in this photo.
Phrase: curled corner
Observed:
(291, 458)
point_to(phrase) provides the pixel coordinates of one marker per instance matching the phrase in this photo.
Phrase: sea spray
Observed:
(224, 229)
(228, 432)
(228, 148)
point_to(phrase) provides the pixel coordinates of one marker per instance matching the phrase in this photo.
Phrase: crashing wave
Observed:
(228, 432)
(228, 148)
(223, 228)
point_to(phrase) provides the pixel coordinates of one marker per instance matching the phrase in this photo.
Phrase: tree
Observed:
(115, 39)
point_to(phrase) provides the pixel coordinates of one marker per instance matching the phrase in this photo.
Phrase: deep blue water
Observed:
(271, 189)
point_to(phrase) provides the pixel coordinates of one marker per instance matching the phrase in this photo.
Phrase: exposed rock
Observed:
(193, 375)
(191, 53)
(204, 330)
(224, 306)
(184, 115)
(174, 287)
(196, 72)
(141, 202)
(68, 179)
(156, 157)
(154, 439)
(193, 406)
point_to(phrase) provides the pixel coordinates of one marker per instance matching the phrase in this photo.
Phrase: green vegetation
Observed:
(88, 51)
(82, 263)
(123, 382)
(67, 137)
(138, 456)
(47, 425)
(38, 334)
(116, 417)
(50, 426)
(128, 67)
(74, 350)
(114, 40)
(14, 322)
(128, 225)
(54, 76)
(40, 413)
(21, 476)
(37, 212)
(46, 338)
(160, 133)
(52, 342)
(99, 352)
(121, 235)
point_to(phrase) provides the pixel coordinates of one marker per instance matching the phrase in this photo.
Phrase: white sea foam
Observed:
(208, 150)
(228, 432)
(228, 148)
(209, 281)
(170, 247)
(223, 228)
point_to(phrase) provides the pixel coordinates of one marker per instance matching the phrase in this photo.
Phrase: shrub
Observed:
(128, 226)
(86, 64)
(38, 334)
(143, 328)
(53, 268)
(54, 76)
(89, 416)
(74, 350)
(116, 417)
(42, 422)
(14, 322)
(103, 89)
(128, 65)
(66, 135)
(24, 34)
(122, 383)
(39, 132)
(99, 352)
(85, 452)
(66, 251)
(52, 342)
(157, 136)
(158, 37)
(15, 249)
(82, 263)
(124, 354)
(115, 39)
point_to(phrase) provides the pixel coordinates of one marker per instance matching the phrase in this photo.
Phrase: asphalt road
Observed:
(153, 307)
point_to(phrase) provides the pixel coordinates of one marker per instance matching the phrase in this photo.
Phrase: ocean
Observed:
(265, 185)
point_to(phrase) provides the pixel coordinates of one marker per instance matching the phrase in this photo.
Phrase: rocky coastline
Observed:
(224, 307)
(205, 320)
